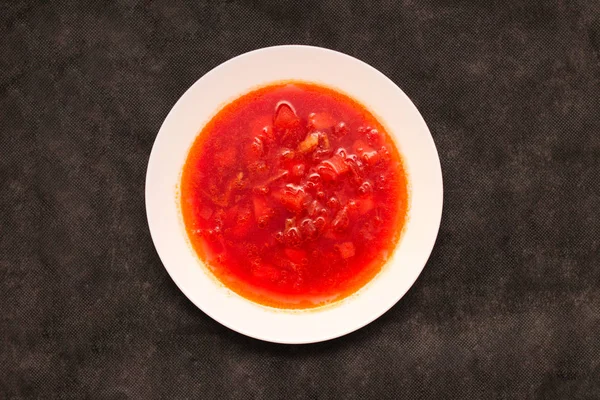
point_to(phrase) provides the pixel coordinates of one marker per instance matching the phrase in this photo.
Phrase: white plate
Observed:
(236, 77)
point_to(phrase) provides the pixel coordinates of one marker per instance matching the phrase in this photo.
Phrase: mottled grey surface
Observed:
(508, 305)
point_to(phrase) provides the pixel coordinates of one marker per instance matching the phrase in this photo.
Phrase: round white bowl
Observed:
(253, 70)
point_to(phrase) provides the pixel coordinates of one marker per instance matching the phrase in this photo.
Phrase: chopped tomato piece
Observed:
(296, 256)
(333, 203)
(256, 149)
(373, 137)
(370, 157)
(324, 141)
(237, 183)
(287, 125)
(261, 189)
(332, 168)
(315, 208)
(292, 237)
(258, 167)
(298, 170)
(338, 164)
(262, 211)
(243, 223)
(341, 220)
(366, 188)
(206, 212)
(292, 197)
(320, 224)
(320, 120)
(285, 117)
(340, 130)
(286, 155)
(309, 229)
(352, 207)
(309, 143)
(346, 249)
(365, 205)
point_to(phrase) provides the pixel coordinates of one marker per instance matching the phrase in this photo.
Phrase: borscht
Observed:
(294, 196)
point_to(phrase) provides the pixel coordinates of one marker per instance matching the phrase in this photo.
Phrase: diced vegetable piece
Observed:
(309, 143)
(261, 189)
(315, 208)
(373, 137)
(327, 172)
(286, 155)
(367, 232)
(363, 130)
(352, 207)
(314, 177)
(267, 133)
(262, 212)
(320, 224)
(290, 223)
(331, 234)
(355, 164)
(292, 197)
(292, 237)
(342, 152)
(366, 188)
(217, 196)
(385, 154)
(308, 229)
(206, 212)
(365, 205)
(333, 203)
(341, 220)
(219, 218)
(243, 223)
(243, 216)
(324, 141)
(262, 127)
(296, 255)
(338, 164)
(238, 183)
(278, 236)
(298, 170)
(285, 117)
(346, 250)
(257, 148)
(320, 120)
(371, 157)
(340, 130)
(333, 167)
(258, 167)
(321, 154)
(287, 125)
(382, 182)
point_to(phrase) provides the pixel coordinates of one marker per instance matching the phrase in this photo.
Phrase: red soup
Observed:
(294, 195)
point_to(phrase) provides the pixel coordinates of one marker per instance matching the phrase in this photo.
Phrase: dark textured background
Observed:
(508, 305)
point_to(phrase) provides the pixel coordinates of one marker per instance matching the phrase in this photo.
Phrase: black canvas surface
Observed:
(508, 306)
